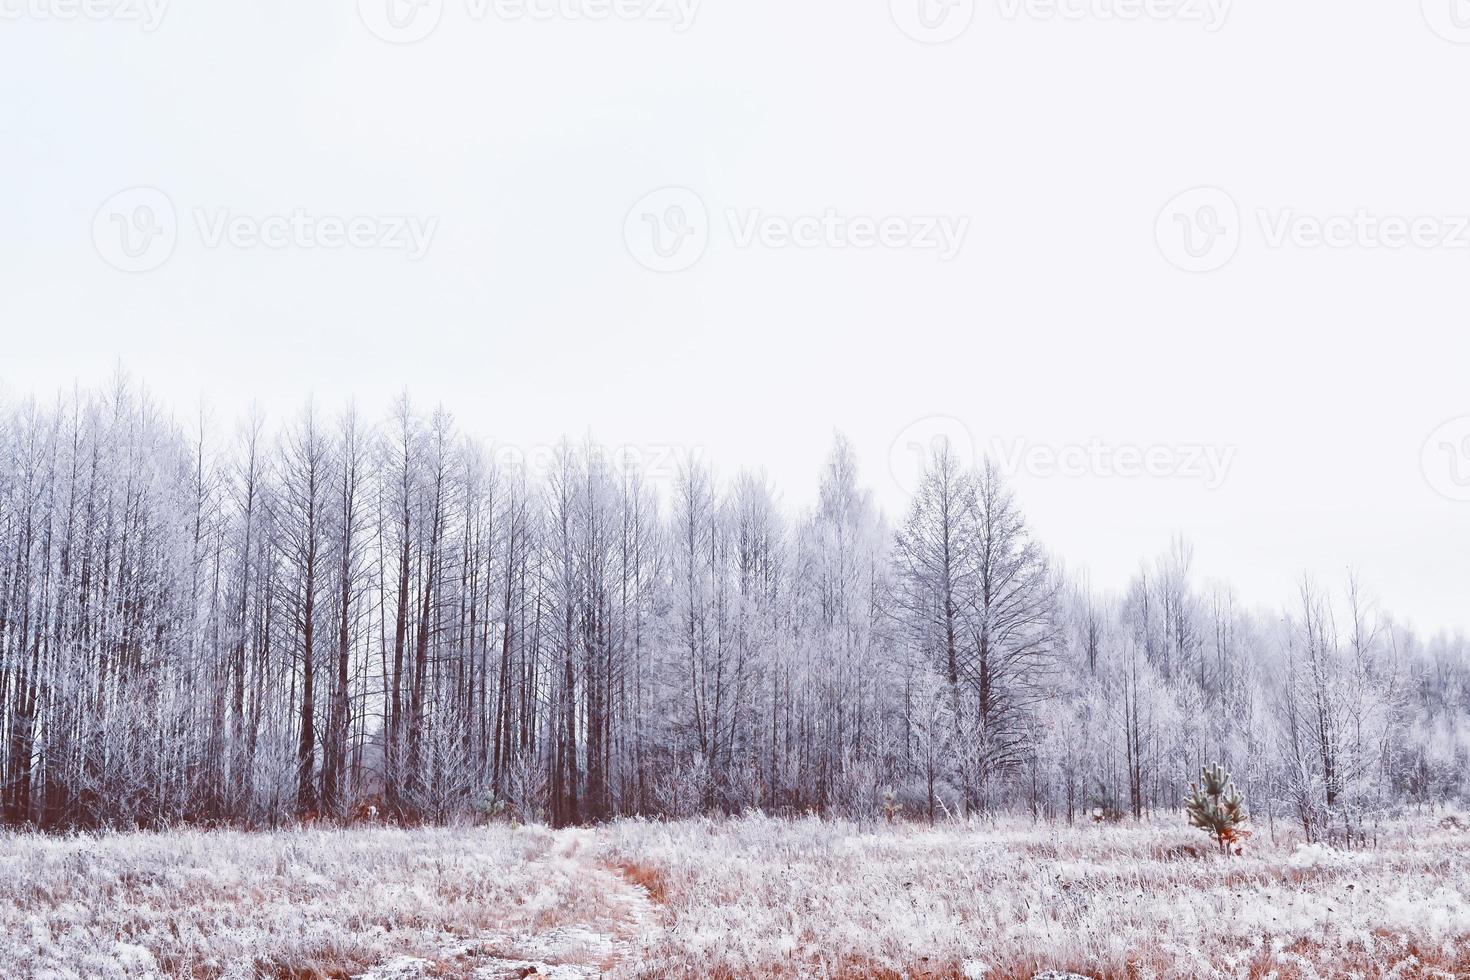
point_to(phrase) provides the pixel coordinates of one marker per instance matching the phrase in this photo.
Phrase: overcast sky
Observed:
(1201, 268)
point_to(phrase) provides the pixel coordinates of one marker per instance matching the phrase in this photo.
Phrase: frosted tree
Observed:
(372, 614)
(1013, 628)
(934, 576)
(840, 566)
(305, 492)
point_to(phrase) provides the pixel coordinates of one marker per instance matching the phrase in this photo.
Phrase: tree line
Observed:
(338, 615)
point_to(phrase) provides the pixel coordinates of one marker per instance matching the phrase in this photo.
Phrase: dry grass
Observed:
(759, 897)
(751, 897)
(650, 879)
(312, 903)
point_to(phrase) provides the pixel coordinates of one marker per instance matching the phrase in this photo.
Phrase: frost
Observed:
(135, 958)
(401, 968)
(744, 897)
(1312, 856)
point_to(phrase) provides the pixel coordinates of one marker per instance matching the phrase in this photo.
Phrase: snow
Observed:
(742, 897)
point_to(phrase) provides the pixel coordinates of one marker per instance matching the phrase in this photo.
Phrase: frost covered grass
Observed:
(760, 897)
(752, 896)
(297, 904)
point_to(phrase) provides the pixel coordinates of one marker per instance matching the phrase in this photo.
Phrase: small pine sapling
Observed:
(1104, 805)
(1217, 808)
(891, 807)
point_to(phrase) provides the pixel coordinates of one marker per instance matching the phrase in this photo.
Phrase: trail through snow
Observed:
(608, 947)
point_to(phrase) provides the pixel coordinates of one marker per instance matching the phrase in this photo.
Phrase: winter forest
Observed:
(350, 612)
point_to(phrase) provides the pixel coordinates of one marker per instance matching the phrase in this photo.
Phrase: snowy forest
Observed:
(338, 614)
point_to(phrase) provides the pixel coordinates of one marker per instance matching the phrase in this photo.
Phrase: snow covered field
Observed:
(747, 897)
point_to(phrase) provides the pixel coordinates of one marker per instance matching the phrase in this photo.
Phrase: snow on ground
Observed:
(752, 896)
(1014, 900)
(379, 902)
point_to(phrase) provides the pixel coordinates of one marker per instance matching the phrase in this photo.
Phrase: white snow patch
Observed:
(399, 968)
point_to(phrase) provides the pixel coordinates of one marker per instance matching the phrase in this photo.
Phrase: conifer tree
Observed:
(1217, 808)
(1104, 805)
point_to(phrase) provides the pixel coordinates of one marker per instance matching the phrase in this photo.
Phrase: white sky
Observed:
(1061, 322)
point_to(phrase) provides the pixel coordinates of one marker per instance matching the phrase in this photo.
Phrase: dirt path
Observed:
(634, 914)
(608, 947)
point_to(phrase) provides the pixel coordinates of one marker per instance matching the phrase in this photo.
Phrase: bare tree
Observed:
(195, 629)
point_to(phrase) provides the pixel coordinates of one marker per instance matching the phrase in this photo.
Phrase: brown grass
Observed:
(647, 877)
(747, 897)
(755, 897)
